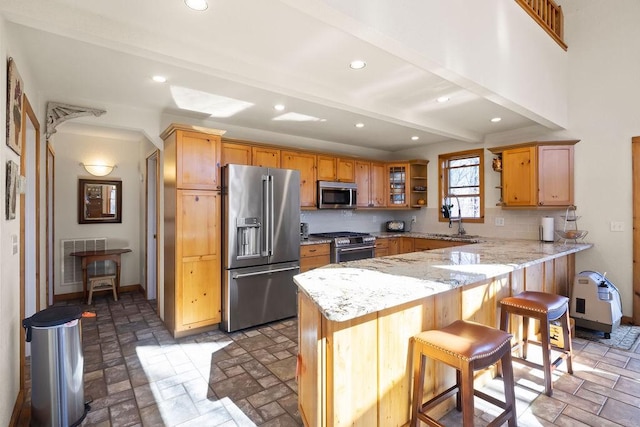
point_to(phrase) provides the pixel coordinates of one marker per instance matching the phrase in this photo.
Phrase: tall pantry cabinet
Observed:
(192, 288)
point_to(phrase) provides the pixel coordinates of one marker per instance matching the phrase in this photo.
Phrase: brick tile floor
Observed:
(137, 374)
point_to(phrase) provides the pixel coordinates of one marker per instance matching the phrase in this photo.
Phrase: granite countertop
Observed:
(352, 289)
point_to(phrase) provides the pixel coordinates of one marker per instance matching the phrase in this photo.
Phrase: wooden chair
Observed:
(544, 307)
(102, 283)
(467, 347)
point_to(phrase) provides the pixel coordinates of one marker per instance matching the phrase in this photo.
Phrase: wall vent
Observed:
(71, 268)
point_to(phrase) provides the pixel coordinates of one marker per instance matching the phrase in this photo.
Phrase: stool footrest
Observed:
(434, 401)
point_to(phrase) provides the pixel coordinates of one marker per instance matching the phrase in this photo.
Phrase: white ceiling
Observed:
(96, 53)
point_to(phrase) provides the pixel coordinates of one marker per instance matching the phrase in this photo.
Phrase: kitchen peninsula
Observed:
(356, 318)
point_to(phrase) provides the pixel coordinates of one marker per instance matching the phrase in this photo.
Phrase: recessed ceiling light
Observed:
(279, 107)
(159, 79)
(359, 125)
(496, 119)
(415, 138)
(357, 64)
(198, 5)
(442, 99)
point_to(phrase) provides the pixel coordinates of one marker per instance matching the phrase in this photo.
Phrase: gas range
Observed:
(350, 246)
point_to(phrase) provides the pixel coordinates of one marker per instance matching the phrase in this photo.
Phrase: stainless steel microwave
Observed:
(336, 195)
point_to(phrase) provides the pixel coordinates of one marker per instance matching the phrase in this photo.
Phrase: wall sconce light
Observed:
(98, 170)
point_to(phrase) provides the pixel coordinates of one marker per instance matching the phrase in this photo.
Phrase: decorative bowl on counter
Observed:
(571, 234)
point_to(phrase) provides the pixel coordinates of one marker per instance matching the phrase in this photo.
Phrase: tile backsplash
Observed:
(518, 224)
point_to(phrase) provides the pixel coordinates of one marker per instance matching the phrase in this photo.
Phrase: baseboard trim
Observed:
(78, 295)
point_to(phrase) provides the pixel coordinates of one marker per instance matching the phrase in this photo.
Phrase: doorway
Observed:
(152, 174)
(29, 224)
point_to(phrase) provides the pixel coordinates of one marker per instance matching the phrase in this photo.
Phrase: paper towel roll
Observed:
(546, 224)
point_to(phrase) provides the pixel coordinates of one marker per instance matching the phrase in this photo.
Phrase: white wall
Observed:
(71, 149)
(11, 333)
(604, 66)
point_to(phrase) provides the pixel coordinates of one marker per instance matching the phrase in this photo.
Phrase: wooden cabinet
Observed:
(306, 164)
(192, 289)
(555, 175)
(370, 178)
(387, 246)
(406, 245)
(266, 156)
(197, 158)
(198, 258)
(418, 183)
(397, 174)
(429, 244)
(537, 174)
(332, 168)
(235, 154)
(314, 256)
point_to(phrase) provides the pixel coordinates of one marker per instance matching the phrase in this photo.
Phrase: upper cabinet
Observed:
(235, 154)
(306, 164)
(536, 174)
(418, 183)
(197, 157)
(332, 168)
(371, 179)
(397, 174)
(266, 157)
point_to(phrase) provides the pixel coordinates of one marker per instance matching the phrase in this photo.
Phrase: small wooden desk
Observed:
(101, 255)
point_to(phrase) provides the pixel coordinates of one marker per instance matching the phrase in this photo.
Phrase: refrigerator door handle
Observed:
(260, 273)
(266, 230)
(272, 215)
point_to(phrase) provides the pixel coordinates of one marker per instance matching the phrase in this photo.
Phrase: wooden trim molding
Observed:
(635, 168)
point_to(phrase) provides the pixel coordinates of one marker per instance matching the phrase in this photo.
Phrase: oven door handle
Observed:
(359, 248)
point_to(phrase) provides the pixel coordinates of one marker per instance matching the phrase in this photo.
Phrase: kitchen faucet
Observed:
(458, 219)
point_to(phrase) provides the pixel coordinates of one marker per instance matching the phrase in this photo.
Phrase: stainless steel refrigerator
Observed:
(261, 245)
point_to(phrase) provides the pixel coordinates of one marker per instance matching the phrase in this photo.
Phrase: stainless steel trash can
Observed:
(57, 363)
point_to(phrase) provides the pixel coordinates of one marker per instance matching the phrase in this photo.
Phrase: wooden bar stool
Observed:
(467, 347)
(102, 283)
(544, 307)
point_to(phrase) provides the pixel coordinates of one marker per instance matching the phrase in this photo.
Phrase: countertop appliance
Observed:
(304, 230)
(397, 226)
(595, 303)
(261, 245)
(349, 246)
(336, 195)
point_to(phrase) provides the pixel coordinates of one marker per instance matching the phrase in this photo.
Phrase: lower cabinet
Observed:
(429, 244)
(387, 246)
(314, 256)
(192, 261)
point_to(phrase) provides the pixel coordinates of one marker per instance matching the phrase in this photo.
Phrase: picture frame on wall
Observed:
(12, 189)
(15, 103)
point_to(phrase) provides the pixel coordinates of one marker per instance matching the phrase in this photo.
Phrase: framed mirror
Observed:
(99, 201)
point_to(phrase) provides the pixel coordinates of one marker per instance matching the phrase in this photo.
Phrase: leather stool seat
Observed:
(467, 347)
(545, 307)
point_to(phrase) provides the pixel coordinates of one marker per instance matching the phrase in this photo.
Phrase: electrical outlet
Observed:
(617, 226)
(374, 219)
(499, 222)
(413, 219)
